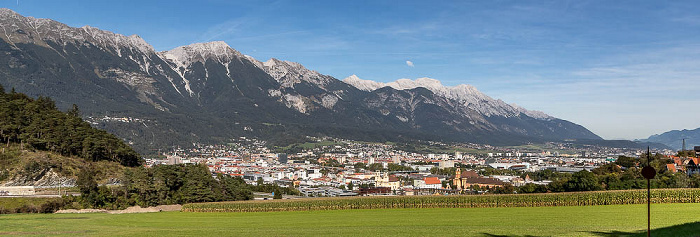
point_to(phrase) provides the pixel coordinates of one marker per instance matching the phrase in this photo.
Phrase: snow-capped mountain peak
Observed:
(272, 62)
(37, 30)
(466, 95)
(290, 73)
(428, 83)
(533, 113)
(365, 85)
(200, 52)
(117, 41)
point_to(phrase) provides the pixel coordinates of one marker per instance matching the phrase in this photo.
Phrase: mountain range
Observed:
(674, 138)
(209, 92)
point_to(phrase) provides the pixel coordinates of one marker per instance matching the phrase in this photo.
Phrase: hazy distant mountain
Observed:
(208, 92)
(675, 138)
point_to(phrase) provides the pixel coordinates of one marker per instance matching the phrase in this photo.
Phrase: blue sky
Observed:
(623, 69)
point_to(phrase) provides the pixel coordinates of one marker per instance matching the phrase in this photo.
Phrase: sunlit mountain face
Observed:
(210, 92)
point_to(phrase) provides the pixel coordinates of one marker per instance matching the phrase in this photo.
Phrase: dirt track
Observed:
(134, 209)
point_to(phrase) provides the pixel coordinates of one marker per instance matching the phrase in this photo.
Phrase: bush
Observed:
(30, 205)
(52, 206)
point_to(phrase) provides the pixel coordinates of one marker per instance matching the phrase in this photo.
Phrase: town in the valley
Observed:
(329, 167)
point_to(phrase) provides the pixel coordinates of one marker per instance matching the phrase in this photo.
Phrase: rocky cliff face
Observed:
(43, 178)
(209, 92)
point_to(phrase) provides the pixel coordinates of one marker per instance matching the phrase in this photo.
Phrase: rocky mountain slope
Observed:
(208, 92)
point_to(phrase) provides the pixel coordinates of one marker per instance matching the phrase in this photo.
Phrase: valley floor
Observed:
(615, 220)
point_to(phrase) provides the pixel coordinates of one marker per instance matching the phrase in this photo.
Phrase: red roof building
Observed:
(432, 180)
(671, 167)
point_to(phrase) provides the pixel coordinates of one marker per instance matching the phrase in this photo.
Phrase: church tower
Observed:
(458, 179)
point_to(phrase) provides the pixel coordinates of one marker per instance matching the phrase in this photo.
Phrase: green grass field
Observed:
(615, 220)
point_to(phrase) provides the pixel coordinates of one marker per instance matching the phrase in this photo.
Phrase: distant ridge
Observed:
(466, 94)
(674, 138)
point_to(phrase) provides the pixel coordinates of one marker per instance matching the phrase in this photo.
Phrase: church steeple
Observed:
(458, 179)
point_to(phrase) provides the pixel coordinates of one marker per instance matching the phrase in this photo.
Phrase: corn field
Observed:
(454, 201)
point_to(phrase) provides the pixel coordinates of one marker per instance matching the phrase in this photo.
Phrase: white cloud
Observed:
(409, 63)
(224, 29)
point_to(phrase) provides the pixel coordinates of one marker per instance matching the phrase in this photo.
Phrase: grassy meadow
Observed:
(613, 220)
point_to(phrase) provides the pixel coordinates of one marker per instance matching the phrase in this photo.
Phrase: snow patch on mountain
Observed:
(180, 68)
(170, 79)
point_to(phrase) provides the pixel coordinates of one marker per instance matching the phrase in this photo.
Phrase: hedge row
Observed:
(461, 201)
(9, 205)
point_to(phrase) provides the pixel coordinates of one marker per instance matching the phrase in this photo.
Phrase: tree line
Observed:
(38, 124)
(166, 185)
(160, 185)
(624, 173)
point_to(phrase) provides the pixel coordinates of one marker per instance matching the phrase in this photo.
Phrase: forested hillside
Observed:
(37, 124)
